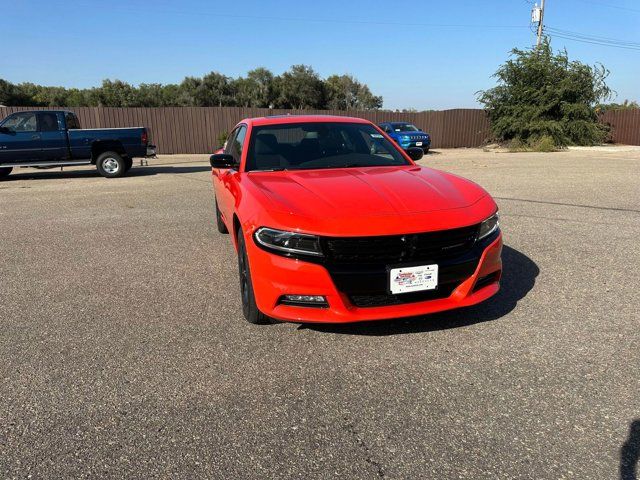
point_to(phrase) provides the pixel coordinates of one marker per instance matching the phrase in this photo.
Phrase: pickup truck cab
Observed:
(53, 138)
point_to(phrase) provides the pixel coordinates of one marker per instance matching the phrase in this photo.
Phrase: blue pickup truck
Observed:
(53, 138)
(407, 135)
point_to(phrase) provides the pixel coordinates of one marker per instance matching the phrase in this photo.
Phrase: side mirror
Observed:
(5, 130)
(415, 153)
(222, 160)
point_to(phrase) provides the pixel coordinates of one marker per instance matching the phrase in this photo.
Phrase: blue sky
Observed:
(421, 54)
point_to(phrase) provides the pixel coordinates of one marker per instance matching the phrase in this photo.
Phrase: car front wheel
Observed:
(249, 308)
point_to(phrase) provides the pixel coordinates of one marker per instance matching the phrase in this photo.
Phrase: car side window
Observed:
(229, 142)
(72, 121)
(48, 122)
(21, 122)
(235, 144)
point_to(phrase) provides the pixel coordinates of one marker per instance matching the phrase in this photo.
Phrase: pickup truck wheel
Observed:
(249, 307)
(4, 172)
(222, 228)
(111, 165)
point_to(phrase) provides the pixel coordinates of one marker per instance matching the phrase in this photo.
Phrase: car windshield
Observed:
(405, 127)
(315, 145)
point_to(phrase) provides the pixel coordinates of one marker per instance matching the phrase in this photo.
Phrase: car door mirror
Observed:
(222, 160)
(5, 130)
(415, 153)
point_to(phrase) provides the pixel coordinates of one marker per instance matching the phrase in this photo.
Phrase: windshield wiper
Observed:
(276, 169)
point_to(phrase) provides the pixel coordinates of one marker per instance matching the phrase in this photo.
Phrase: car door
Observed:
(229, 177)
(53, 136)
(19, 138)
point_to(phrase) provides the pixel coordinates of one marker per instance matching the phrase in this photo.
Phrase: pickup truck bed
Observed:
(53, 138)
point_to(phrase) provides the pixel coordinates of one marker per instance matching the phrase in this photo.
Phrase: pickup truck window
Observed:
(21, 122)
(49, 122)
(72, 121)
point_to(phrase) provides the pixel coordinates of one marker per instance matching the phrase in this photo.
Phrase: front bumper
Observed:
(274, 276)
(425, 144)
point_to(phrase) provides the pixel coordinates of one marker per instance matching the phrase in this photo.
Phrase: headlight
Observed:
(289, 242)
(405, 138)
(489, 226)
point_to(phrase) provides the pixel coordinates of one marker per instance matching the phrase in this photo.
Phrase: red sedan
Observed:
(334, 223)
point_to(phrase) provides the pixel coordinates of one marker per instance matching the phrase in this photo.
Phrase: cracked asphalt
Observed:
(124, 354)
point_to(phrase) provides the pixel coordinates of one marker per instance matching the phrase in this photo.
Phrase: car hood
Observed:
(364, 192)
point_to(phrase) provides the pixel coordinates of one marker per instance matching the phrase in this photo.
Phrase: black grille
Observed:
(388, 249)
(443, 291)
(359, 266)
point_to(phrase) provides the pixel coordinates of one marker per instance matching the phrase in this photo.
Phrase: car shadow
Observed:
(518, 278)
(630, 453)
(136, 171)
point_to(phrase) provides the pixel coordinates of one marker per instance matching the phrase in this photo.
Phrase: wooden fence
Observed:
(197, 129)
(625, 125)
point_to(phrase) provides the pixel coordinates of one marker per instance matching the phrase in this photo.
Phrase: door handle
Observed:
(35, 137)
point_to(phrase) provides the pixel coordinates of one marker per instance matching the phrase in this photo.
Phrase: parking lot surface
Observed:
(123, 351)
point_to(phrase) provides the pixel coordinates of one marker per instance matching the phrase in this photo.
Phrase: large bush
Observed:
(542, 93)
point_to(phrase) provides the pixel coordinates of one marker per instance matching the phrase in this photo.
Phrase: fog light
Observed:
(304, 300)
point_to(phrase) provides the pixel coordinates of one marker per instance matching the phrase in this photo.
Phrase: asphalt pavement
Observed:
(124, 353)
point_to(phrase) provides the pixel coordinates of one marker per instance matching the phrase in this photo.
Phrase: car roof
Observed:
(43, 111)
(281, 119)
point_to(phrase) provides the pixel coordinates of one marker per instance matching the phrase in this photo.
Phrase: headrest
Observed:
(266, 143)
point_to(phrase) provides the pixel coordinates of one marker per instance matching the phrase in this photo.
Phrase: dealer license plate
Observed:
(413, 279)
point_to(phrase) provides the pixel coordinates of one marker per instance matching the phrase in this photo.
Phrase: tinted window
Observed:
(21, 122)
(235, 144)
(72, 122)
(303, 146)
(48, 122)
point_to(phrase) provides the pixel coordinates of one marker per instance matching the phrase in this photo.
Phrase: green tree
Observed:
(215, 90)
(625, 105)
(264, 92)
(300, 87)
(346, 93)
(116, 93)
(541, 93)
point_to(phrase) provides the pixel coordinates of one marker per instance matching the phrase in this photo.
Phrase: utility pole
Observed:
(537, 15)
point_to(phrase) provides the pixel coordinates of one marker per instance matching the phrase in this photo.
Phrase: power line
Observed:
(592, 37)
(612, 6)
(594, 42)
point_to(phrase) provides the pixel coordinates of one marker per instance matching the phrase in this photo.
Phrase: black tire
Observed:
(426, 151)
(111, 165)
(5, 171)
(128, 163)
(222, 228)
(249, 307)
